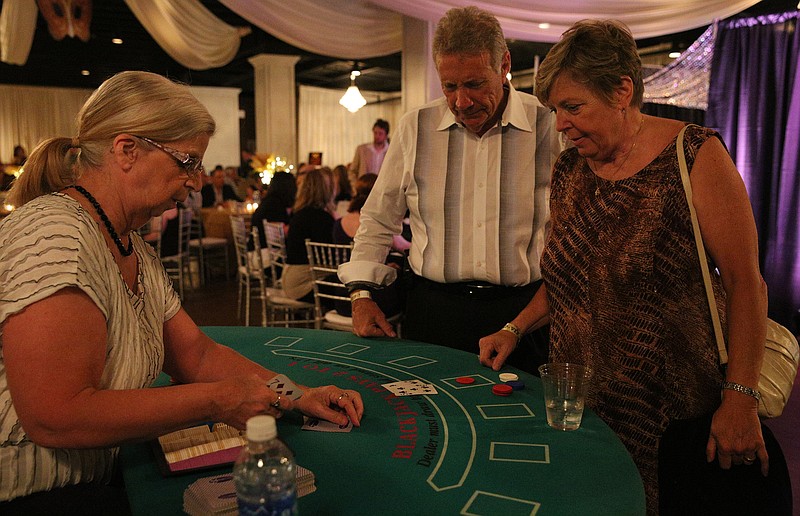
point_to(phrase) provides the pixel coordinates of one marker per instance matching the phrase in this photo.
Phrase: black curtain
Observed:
(754, 102)
(692, 116)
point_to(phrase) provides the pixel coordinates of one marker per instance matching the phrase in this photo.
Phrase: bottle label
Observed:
(286, 506)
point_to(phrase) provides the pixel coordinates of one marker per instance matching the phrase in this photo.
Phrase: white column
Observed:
(420, 80)
(275, 105)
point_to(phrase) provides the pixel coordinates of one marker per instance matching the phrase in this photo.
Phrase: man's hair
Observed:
(383, 124)
(469, 30)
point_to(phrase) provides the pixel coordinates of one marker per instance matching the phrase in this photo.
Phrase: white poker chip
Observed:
(508, 377)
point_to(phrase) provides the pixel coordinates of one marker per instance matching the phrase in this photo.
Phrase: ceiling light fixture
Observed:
(116, 41)
(352, 99)
(674, 55)
(85, 72)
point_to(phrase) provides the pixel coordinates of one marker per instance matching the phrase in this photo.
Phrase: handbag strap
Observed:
(701, 251)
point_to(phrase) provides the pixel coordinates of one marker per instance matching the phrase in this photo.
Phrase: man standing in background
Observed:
(369, 156)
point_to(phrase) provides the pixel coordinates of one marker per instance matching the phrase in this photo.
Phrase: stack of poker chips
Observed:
(217, 495)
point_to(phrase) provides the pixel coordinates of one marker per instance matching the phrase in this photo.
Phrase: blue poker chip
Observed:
(517, 385)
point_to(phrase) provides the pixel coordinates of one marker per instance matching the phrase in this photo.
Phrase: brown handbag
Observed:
(781, 353)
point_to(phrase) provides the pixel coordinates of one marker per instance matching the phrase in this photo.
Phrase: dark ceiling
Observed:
(59, 63)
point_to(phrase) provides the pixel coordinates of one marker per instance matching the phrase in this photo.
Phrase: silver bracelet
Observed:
(512, 328)
(733, 386)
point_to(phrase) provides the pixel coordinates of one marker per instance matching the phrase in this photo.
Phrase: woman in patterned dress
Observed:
(89, 317)
(623, 290)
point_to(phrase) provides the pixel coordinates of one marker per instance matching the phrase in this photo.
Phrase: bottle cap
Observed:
(261, 428)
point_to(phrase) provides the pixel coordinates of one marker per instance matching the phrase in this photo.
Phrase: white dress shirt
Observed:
(479, 206)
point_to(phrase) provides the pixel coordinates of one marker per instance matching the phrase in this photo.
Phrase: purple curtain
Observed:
(754, 102)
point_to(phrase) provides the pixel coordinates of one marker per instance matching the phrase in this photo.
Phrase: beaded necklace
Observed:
(104, 218)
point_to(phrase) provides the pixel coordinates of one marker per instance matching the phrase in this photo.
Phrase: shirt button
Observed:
(480, 224)
(480, 185)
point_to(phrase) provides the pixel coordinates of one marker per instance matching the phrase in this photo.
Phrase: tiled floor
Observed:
(215, 305)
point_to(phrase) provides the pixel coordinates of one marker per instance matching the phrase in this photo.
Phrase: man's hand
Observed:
(369, 320)
(495, 348)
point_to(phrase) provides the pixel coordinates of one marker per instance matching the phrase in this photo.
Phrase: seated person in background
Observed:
(217, 193)
(312, 218)
(345, 194)
(276, 205)
(344, 229)
(89, 317)
(235, 181)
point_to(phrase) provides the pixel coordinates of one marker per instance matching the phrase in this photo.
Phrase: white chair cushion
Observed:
(279, 297)
(333, 317)
(209, 242)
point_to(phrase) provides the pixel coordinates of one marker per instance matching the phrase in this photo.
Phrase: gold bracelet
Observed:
(513, 329)
(360, 294)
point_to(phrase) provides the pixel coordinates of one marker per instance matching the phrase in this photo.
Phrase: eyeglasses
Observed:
(193, 166)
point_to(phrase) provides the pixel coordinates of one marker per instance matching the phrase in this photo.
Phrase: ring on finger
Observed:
(277, 403)
(749, 460)
(342, 395)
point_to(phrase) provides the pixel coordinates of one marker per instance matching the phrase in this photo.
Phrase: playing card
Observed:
(410, 388)
(282, 385)
(318, 425)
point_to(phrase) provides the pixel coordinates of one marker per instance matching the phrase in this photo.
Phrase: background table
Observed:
(461, 451)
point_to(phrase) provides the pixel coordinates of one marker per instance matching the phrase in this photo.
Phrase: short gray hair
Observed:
(596, 53)
(469, 30)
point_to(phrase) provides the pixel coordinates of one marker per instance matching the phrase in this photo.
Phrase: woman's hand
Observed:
(496, 348)
(242, 397)
(736, 434)
(332, 404)
(245, 396)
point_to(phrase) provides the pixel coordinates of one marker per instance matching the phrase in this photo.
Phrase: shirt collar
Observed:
(514, 114)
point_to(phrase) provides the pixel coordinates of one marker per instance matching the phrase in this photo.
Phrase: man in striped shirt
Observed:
(473, 170)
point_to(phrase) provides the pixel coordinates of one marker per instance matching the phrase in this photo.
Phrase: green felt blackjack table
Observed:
(464, 450)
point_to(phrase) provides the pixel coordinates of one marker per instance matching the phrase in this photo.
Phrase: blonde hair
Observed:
(138, 103)
(316, 190)
(596, 53)
(469, 30)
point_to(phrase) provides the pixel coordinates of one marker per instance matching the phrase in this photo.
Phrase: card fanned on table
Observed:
(410, 388)
(217, 495)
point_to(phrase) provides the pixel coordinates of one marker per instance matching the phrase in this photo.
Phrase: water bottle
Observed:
(264, 474)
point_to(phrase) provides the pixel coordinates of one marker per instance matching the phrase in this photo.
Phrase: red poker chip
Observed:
(502, 389)
(466, 380)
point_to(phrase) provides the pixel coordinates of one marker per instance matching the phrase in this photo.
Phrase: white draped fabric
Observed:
(325, 126)
(29, 114)
(188, 32)
(356, 29)
(349, 29)
(17, 25)
(521, 19)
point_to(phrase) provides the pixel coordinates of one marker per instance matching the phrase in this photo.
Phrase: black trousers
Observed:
(457, 315)
(688, 485)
